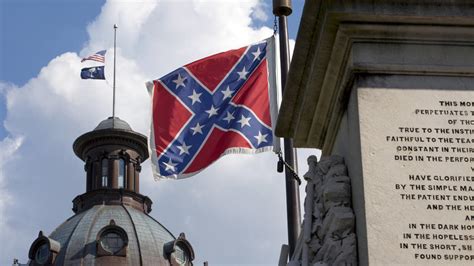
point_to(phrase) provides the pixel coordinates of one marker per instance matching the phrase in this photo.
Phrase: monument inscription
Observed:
(418, 166)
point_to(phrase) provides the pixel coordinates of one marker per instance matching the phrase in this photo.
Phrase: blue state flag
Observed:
(96, 72)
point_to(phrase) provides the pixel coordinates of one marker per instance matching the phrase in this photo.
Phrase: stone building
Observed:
(359, 71)
(111, 225)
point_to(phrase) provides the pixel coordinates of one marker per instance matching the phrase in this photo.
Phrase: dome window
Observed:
(179, 252)
(43, 251)
(42, 254)
(105, 171)
(121, 174)
(112, 240)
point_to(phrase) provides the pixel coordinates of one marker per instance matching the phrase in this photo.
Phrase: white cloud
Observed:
(129, 16)
(258, 11)
(233, 212)
(8, 146)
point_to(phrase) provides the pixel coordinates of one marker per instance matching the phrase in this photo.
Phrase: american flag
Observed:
(99, 57)
(222, 104)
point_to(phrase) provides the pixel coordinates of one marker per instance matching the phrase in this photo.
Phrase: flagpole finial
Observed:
(282, 7)
(115, 26)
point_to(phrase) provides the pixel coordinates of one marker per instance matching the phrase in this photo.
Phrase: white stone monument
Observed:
(388, 86)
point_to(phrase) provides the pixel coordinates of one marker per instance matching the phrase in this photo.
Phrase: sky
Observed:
(233, 213)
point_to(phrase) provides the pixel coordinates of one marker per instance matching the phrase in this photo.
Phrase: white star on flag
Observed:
(212, 111)
(229, 117)
(179, 81)
(243, 74)
(244, 121)
(197, 129)
(261, 138)
(170, 165)
(227, 93)
(184, 149)
(195, 97)
(257, 54)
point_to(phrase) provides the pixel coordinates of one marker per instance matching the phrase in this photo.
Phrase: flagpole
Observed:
(282, 9)
(115, 53)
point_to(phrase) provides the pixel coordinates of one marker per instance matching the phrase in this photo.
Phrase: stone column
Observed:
(96, 174)
(89, 179)
(137, 181)
(130, 176)
(137, 178)
(113, 170)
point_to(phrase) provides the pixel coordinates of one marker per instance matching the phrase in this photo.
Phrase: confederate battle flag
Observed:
(224, 103)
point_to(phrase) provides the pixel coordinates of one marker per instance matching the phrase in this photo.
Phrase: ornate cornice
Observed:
(97, 138)
(340, 40)
(111, 197)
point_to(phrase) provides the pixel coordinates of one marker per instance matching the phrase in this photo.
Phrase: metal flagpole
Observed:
(115, 53)
(282, 9)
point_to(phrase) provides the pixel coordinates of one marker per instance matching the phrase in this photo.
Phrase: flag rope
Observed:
(282, 162)
(275, 26)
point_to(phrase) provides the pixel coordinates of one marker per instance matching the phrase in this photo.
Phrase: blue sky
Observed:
(41, 43)
(46, 29)
(51, 27)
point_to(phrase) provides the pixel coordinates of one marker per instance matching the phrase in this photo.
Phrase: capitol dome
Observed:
(111, 225)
